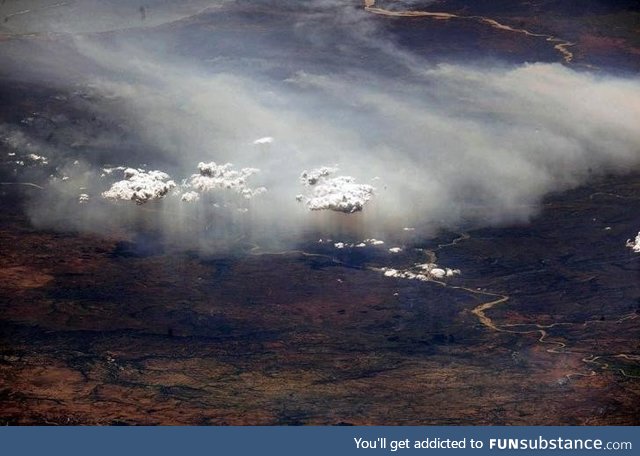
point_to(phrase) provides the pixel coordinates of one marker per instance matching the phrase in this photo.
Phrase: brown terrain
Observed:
(541, 328)
(94, 333)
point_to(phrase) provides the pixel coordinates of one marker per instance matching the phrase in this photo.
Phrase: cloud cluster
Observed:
(423, 272)
(212, 177)
(139, 186)
(452, 143)
(359, 245)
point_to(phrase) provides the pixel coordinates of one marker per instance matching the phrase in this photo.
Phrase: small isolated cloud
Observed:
(265, 140)
(107, 171)
(634, 244)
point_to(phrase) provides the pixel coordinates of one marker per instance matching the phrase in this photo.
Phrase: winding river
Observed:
(559, 44)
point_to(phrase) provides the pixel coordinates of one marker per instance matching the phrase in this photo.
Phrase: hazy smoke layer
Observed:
(442, 144)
